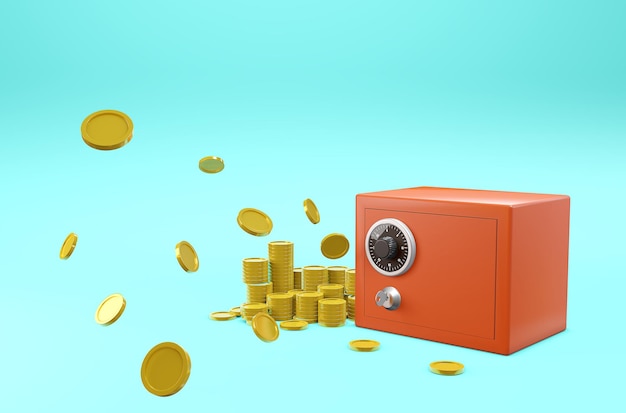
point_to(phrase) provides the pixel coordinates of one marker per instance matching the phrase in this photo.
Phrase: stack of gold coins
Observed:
(332, 312)
(250, 309)
(280, 306)
(257, 293)
(351, 281)
(331, 290)
(350, 305)
(312, 276)
(293, 294)
(297, 278)
(337, 274)
(255, 270)
(306, 306)
(281, 265)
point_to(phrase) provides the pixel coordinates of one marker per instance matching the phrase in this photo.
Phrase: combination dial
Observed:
(390, 247)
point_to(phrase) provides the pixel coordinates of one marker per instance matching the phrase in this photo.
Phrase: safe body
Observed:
(489, 268)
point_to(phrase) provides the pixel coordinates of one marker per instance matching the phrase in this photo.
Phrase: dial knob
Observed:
(390, 247)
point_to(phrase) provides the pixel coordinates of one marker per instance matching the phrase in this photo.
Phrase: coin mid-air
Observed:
(254, 222)
(264, 326)
(335, 246)
(311, 211)
(107, 130)
(165, 369)
(187, 257)
(68, 246)
(447, 368)
(110, 309)
(211, 164)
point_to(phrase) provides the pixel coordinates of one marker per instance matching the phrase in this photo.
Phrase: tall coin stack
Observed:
(331, 290)
(280, 306)
(337, 274)
(255, 270)
(281, 265)
(249, 310)
(257, 293)
(332, 312)
(350, 305)
(312, 276)
(306, 306)
(297, 278)
(350, 281)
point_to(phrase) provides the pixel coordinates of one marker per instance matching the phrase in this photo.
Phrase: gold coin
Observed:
(110, 309)
(335, 246)
(187, 257)
(165, 369)
(211, 164)
(68, 246)
(364, 345)
(265, 327)
(311, 211)
(294, 325)
(447, 368)
(222, 316)
(254, 222)
(236, 311)
(107, 130)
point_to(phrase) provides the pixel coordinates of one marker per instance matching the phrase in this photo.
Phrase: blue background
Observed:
(302, 99)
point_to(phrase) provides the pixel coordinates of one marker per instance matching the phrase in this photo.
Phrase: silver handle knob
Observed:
(388, 298)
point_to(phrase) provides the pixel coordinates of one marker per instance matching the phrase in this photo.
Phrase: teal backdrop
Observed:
(302, 99)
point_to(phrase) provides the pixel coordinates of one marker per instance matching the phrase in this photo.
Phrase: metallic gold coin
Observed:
(447, 368)
(107, 130)
(68, 246)
(264, 326)
(364, 345)
(236, 311)
(222, 316)
(211, 164)
(110, 309)
(311, 211)
(335, 246)
(187, 257)
(294, 325)
(254, 222)
(165, 369)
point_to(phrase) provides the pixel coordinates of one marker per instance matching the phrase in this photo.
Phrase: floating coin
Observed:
(447, 368)
(68, 246)
(211, 164)
(254, 222)
(236, 311)
(265, 327)
(165, 369)
(110, 309)
(223, 316)
(311, 211)
(294, 325)
(335, 246)
(107, 130)
(187, 257)
(364, 345)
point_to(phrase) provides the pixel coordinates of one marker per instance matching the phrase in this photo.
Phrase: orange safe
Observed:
(479, 269)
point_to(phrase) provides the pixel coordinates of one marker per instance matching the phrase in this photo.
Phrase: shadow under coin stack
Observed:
(281, 265)
(307, 307)
(332, 312)
(350, 292)
(280, 306)
(312, 276)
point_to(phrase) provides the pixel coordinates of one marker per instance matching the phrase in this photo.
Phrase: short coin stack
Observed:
(337, 274)
(331, 290)
(312, 276)
(307, 307)
(350, 281)
(350, 305)
(281, 265)
(257, 293)
(280, 306)
(250, 310)
(332, 312)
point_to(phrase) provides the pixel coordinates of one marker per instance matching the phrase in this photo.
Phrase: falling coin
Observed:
(211, 164)
(68, 246)
(222, 316)
(254, 222)
(107, 129)
(311, 211)
(265, 327)
(165, 369)
(110, 309)
(447, 368)
(335, 246)
(364, 345)
(294, 325)
(187, 257)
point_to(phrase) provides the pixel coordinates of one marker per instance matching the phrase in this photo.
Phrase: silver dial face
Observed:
(390, 247)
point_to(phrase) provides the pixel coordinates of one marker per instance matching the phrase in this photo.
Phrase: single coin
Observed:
(165, 369)
(335, 246)
(311, 211)
(68, 246)
(447, 368)
(211, 164)
(265, 327)
(187, 257)
(107, 129)
(254, 222)
(222, 316)
(110, 309)
(236, 311)
(294, 325)
(364, 345)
